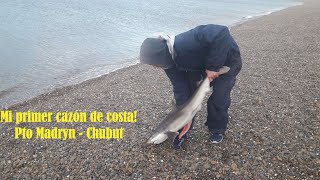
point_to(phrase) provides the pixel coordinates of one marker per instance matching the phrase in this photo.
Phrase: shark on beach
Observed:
(181, 117)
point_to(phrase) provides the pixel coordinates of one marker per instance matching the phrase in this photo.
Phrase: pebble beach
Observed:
(274, 129)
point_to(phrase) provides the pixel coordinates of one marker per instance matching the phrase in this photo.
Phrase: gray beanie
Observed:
(154, 51)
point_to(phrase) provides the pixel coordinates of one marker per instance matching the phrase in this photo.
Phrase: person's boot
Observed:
(177, 143)
(216, 137)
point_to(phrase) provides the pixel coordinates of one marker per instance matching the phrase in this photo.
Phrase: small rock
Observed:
(234, 166)
(207, 166)
(279, 158)
(72, 158)
(213, 162)
(291, 177)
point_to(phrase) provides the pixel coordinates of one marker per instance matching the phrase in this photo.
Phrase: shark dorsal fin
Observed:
(173, 105)
(198, 83)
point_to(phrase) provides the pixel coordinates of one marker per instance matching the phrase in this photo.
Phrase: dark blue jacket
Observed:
(204, 47)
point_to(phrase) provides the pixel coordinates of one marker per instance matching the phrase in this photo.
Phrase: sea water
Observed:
(49, 44)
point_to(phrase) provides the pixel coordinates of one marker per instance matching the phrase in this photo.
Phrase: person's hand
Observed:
(212, 75)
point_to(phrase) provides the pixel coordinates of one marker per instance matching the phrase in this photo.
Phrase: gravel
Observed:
(274, 118)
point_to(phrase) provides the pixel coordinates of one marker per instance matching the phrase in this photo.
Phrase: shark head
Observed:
(157, 138)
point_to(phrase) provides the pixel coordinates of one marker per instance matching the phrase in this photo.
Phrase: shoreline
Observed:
(64, 89)
(49, 90)
(266, 13)
(274, 116)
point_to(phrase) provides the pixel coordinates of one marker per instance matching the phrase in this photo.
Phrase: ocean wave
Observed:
(269, 11)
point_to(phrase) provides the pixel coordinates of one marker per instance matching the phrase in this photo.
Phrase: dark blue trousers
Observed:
(219, 101)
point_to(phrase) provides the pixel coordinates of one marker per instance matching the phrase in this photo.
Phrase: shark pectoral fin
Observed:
(185, 129)
(172, 135)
